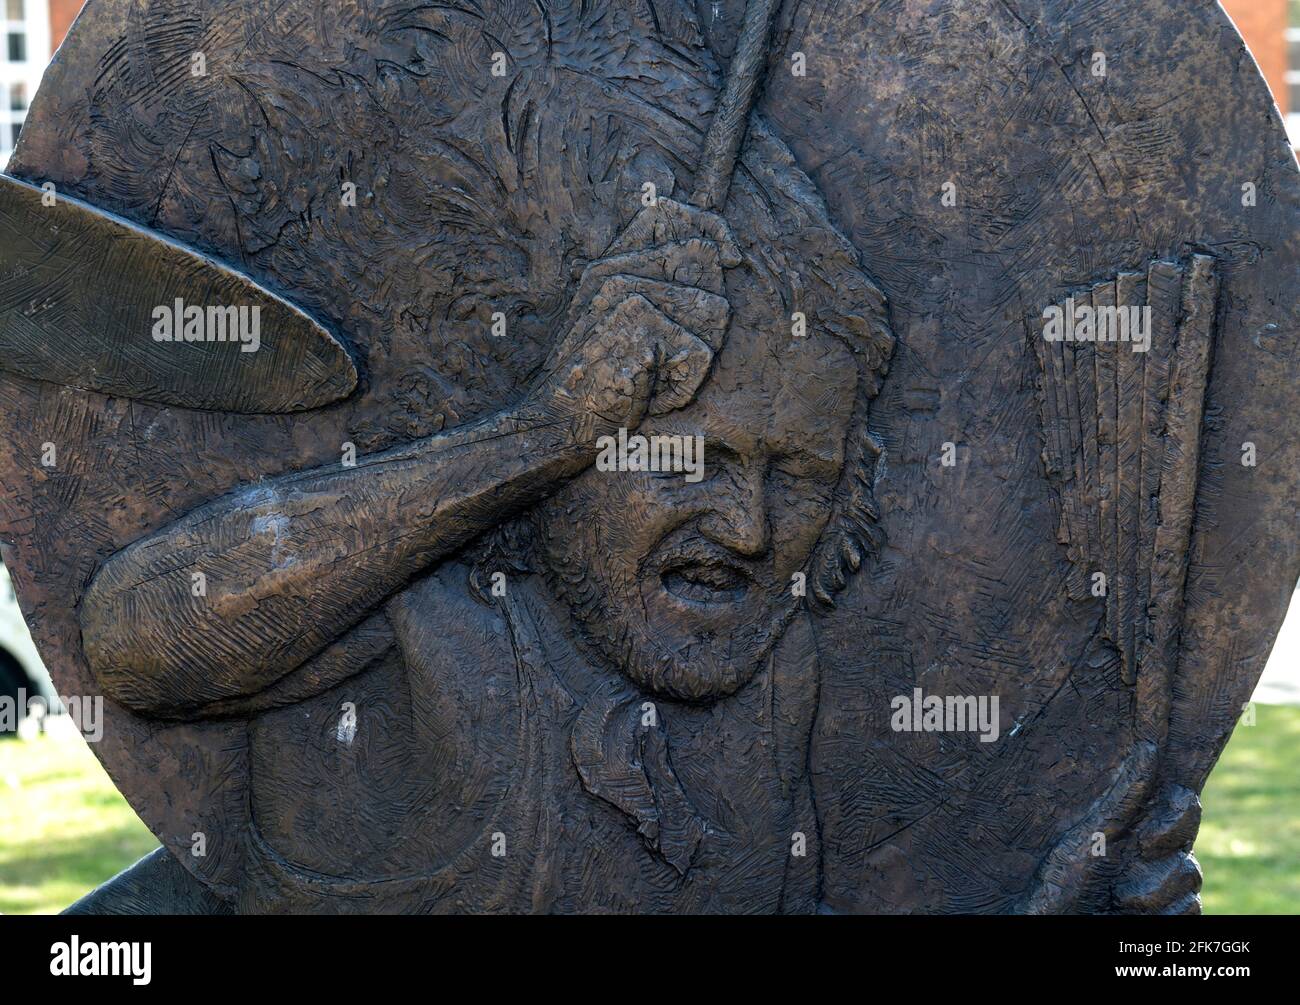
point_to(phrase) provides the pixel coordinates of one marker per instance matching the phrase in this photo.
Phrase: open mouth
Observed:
(706, 582)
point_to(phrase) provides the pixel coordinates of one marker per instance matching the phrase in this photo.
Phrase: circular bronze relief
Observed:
(988, 349)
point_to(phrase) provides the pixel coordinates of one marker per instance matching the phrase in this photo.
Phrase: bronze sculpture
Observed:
(379, 631)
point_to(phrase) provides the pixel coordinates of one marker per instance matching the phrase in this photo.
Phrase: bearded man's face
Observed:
(686, 586)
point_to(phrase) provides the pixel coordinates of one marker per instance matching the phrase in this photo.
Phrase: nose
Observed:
(737, 517)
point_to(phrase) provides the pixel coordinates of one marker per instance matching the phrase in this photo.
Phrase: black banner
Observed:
(212, 954)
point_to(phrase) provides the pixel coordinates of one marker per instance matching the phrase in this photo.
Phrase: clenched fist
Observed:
(643, 325)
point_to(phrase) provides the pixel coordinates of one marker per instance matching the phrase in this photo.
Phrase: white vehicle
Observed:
(22, 674)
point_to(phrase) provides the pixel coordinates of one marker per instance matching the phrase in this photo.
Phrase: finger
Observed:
(1155, 887)
(1189, 904)
(630, 381)
(610, 326)
(693, 262)
(683, 360)
(1063, 875)
(683, 367)
(702, 313)
(614, 362)
(1173, 825)
(669, 221)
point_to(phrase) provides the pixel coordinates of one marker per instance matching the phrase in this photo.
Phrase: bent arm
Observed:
(226, 601)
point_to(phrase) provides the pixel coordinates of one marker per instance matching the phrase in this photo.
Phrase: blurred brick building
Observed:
(62, 14)
(24, 51)
(1271, 29)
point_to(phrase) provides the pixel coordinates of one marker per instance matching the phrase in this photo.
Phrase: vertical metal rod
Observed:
(731, 116)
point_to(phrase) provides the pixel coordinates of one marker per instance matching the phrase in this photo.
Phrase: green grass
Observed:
(64, 828)
(1249, 846)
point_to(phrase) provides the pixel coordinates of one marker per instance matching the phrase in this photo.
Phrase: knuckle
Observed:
(714, 303)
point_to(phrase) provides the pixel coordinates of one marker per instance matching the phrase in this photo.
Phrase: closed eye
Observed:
(807, 464)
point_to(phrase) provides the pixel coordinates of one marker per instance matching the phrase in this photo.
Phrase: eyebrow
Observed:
(817, 458)
(830, 461)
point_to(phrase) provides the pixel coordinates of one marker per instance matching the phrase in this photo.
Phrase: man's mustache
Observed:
(696, 549)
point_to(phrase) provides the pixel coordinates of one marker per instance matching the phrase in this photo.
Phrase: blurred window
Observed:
(17, 96)
(17, 47)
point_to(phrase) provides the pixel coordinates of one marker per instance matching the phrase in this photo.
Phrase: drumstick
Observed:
(731, 116)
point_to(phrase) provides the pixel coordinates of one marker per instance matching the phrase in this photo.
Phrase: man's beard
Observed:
(702, 671)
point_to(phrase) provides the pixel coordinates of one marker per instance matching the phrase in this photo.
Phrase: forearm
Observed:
(233, 596)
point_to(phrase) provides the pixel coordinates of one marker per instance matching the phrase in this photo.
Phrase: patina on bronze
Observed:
(378, 631)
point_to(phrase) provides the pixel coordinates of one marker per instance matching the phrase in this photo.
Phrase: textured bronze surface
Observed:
(98, 279)
(378, 631)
